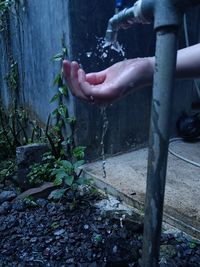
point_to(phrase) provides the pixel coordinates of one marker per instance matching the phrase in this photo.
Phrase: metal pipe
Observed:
(166, 50)
(121, 19)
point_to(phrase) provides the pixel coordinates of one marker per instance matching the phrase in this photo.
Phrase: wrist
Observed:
(150, 70)
(145, 72)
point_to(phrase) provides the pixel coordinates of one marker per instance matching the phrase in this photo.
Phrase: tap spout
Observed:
(123, 20)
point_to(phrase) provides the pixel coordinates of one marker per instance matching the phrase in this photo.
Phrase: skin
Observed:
(110, 84)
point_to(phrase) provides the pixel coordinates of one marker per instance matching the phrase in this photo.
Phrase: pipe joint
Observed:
(167, 14)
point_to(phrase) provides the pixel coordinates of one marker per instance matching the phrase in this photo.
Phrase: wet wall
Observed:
(36, 32)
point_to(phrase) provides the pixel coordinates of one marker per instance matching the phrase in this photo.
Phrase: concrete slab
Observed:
(126, 179)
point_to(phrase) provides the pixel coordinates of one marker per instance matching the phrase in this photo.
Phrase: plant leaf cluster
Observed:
(63, 164)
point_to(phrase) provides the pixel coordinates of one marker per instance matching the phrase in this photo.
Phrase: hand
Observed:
(110, 84)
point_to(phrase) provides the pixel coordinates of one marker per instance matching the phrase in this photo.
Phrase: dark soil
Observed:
(78, 234)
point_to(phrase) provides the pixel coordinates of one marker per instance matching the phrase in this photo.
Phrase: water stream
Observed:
(107, 54)
(104, 131)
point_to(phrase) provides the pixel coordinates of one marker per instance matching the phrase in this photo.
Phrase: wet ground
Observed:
(44, 233)
(126, 178)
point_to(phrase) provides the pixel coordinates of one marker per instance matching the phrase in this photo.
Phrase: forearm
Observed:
(188, 62)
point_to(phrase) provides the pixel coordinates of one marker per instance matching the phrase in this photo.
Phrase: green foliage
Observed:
(41, 172)
(30, 202)
(66, 173)
(14, 130)
(61, 134)
(7, 169)
(12, 77)
(5, 6)
(57, 194)
(62, 165)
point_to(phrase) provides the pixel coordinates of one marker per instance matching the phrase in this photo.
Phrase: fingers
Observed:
(98, 93)
(70, 70)
(86, 87)
(96, 78)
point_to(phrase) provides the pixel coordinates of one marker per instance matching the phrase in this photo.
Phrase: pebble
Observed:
(7, 196)
(86, 226)
(41, 202)
(50, 235)
(59, 232)
(4, 208)
(18, 205)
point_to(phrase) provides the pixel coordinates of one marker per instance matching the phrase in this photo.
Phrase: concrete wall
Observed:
(129, 117)
(37, 28)
(36, 32)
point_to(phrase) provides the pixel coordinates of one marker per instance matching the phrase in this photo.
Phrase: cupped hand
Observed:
(110, 84)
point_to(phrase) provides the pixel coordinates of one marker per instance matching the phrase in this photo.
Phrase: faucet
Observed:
(165, 12)
(167, 16)
(122, 20)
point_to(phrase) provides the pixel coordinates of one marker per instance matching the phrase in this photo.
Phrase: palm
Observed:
(107, 85)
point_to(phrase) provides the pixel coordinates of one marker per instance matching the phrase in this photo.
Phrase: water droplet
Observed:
(88, 54)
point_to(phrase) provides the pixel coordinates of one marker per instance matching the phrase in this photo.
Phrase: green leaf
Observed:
(71, 120)
(55, 225)
(78, 152)
(57, 80)
(58, 180)
(60, 173)
(55, 112)
(63, 111)
(57, 194)
(78, 164)
(57, 128)
(65, 52)
(193, 245)
(58, 57)
(55, 97)
(83, 181)
(67, 164)
(69, 180)
(63, 90)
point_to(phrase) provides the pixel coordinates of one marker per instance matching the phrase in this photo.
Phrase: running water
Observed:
(104, 131)
(105, 54)
(103, 46)
(104, 50)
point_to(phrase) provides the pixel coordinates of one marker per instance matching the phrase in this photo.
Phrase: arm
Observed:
(112, 83)
(188, 62)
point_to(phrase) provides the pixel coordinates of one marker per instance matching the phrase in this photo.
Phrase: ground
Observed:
(80, 233)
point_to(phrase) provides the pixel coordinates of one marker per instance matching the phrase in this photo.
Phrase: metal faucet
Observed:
(123, 19)
(167, 15)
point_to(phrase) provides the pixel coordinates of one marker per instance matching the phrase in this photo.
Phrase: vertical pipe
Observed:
(166, 51)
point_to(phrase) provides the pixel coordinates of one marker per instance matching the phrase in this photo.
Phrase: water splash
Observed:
(104, 131)
(104, 51)
(88, 54)
(114, 46)
(104, 47)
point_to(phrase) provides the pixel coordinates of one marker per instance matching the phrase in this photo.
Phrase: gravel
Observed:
(80, 235)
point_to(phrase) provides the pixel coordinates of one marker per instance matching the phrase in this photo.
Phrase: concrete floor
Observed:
(126, 179)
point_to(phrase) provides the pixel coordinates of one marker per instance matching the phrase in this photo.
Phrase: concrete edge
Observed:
(138, 206)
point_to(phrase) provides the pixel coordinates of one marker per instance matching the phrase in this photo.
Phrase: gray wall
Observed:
(37, 28)
(36, 34)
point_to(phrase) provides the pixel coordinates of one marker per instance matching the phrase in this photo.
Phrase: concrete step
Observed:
(126, 179)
